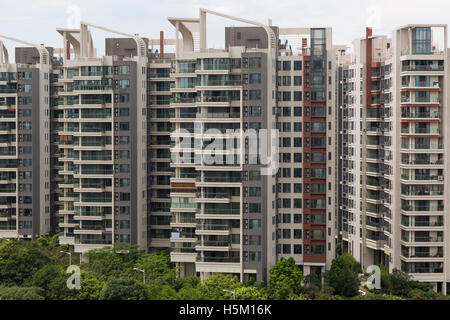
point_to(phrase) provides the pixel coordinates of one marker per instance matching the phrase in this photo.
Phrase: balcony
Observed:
(213, 198)
(421, 115)
(422, 68)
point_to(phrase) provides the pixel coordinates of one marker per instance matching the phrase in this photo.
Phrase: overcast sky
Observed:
(36, 20)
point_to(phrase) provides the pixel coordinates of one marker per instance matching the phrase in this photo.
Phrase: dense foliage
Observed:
(36, 270)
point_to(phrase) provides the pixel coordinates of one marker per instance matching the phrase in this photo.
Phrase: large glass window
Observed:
(422, 40)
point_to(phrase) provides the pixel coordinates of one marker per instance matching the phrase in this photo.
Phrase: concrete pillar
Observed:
(306, 270)
(202, 30)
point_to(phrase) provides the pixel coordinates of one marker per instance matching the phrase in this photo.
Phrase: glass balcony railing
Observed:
(218, 260)
(422, 68)
(424, 115)
(213, 227)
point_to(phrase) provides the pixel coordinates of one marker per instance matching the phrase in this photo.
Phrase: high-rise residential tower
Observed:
(25, 141)
(394, 169)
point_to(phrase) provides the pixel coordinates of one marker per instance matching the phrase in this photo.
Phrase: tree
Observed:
(159, 270)
(53, 281)
(343, 276)
(385, 282)
(285, 274)
(124, 289)
(19, 260)
(400, 283)
(214, 286)
(91, 287)
(20, 293)
(250, 293)
(117, 262)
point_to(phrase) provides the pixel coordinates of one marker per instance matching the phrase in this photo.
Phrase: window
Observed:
(297, 188)
(27, 75)
(124, 168)
(254, 94)
(124, 210)
(254, 63)
(297, 96)
(297, 218)
(297, 80)
(26, 100)
(297, 111)
(26, 125)
(124, 154)
(297, 249)
(124, 83)
(124, 196)
(286, 172)
(254, 191)
(124, 140)
(286, 218)
(28, 224)
(286, 65)
(286, 249)
(124, 98)
(124, 182)
(297, 234)
(124, 69)
(26, 113)
(254, 224)
(421, 40)
(297, 65)
(124, 126)
(125, 224)
(254, 207)
(286, 96)
(254, 111)
(286, 127)
(124, 112)
(297, 172)
(125, 238)
(298, 142)
(298, 127)
(297, 157)
(286, 80)
(254, 175)
(254, 256)
(27, 150)
(27, 88)
(297, 203)
(286, 233)
(255, 78)
(286, 188)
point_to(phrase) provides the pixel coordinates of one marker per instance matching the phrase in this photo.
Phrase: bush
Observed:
(18, 293)
(343, 276)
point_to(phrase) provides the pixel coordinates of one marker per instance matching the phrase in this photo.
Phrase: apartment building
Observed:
(159, 129)
(24, 141)
(232, 217)
(157, 149)
(394, 140)
(101, 118)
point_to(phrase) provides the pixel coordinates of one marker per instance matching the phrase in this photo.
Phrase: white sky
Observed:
(36, 20)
